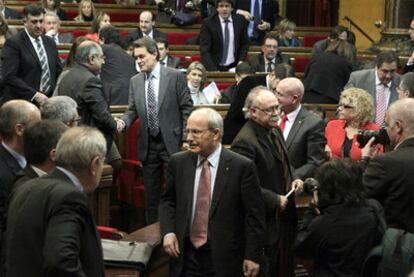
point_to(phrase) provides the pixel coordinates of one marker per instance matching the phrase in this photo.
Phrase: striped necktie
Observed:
(45, 79)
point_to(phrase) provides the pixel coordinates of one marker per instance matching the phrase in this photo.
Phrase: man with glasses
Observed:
(406, 87)
(270, 56)
(381, 82)
(262, 141)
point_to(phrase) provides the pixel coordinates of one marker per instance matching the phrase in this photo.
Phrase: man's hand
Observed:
(263, 26)
(298, 186)
(120, 125)
(40, 98)
(328, 152)
(250, 268)
(370, 149)
(51, 33)
(283, 202)
(170, 244)
(185, 146)
(246, 14)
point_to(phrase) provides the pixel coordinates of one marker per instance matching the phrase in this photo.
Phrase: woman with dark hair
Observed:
(54, 6)
(100, 21)
(340, 226)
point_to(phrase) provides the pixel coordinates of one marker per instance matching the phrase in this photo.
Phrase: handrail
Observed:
(352, 23)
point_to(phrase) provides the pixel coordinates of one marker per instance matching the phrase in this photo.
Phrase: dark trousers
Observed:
(153, 173)
(197, 262)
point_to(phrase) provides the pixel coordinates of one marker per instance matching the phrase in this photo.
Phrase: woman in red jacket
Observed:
(355, 112)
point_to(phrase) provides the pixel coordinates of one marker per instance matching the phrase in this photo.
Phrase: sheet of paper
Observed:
(211, 91)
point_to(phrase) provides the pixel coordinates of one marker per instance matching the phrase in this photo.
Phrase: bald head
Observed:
(400, 120)
(290, 93)
(146, 22)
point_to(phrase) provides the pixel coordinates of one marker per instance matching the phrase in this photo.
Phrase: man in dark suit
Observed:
(261, 18)
(304, 132)
(270, 56)
(406, 87)
(159, 96)
(49, 223)
(146, 28)
(118, 69)
(14, 116)
(223, 38)
(52, 26)
(212, 212)
(8, 13)
(30, 59)
(381, 82)
(262, 142)
(235, 118)
(165, 58)
(388, 178)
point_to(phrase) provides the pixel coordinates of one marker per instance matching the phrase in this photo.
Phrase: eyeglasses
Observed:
(345, 106)
(269, 110)
(270, 46)
(76, 120)
(195, 132)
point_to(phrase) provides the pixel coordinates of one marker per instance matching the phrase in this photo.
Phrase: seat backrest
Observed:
(131, 141)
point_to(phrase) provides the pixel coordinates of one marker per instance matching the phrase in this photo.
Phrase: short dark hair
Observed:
(162, 40)
(337, 31)
(40, 137)
(148, 44)
(340, 181)
(386, 57)
(270, 36)
(225, 1)
(33, 10)
(109, 34)
(244, 68)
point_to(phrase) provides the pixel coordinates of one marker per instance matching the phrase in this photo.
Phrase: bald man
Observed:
(303, 131)
(146, 28)
(388, 177)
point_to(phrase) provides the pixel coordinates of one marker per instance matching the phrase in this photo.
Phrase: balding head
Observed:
(400, 120)
(290, 93)
(146, 22)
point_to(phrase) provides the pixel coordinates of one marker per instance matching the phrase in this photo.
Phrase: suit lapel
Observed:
(300, 118)
(141, 97)
(29, 46)
(188, 184)
(374, 90)
(219, 31)
(163, 85)
(223, 170)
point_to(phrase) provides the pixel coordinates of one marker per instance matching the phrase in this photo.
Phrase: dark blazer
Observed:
(253, 141)
(236, 218)
(235, 119)
(408, 68)
(137, 33)
(174, 107)
(22, 69)
(24, 175)
(86, 89)
(306, 144)
(174, 62)
(50, 227)
(118, 69)
(211, 41)
(257, 61)
(389, 179)
(11, 14)
(270, 10)
(326, 75)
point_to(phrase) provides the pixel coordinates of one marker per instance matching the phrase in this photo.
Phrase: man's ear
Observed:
(94, 165)
(19, 129)
(52, 155)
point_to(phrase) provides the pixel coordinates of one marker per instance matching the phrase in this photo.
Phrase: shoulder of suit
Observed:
(236, 157)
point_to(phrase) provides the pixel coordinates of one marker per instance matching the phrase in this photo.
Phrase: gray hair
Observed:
(62, 108)
(85, 50)
(407, 83)
(403, 110)
(14, 112)
(251, 99)
(78, 146)
(214, 119)
(49, 13)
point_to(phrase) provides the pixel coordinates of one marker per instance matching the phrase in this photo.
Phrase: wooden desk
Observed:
(158, 265)
(99, 199)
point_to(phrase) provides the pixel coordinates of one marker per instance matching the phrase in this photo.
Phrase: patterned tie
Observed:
(226, 42)
(45, 79)
(381, 104)
(257, 18)
(198, 234)
(152, 111)
(283, 122)
(269, 67)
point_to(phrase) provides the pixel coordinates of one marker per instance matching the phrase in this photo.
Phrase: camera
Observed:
(310, 185)
(381, 137)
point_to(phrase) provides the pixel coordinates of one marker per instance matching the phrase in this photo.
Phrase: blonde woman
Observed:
(87, 11)
(286, 34)
(196, 78)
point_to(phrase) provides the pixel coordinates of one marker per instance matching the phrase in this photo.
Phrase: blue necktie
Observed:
(152, 111)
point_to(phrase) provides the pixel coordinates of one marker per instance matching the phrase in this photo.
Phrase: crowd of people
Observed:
(223, 191)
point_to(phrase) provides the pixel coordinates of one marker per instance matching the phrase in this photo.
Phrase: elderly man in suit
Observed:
(304, 132)
(49, 223)
(270, 56)
(381, 82)
(146, 28)
(223, 38)
(212, 212)
(160, 98)
(261, 141)
(31, 64)
(52, 26)
(388, 178)
(165, 58)
(261, 16)
(62, 108)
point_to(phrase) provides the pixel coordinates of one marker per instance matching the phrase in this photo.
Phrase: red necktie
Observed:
(283, 122)
(381, 104)
(198, 235)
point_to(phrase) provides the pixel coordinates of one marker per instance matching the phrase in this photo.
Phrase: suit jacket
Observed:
(137, 33)
(174, 62)
(24, 175)
(174, 107)
(365, 79)
(22, 69)
(86, 89)
(211, 41)
(236, 216)
(408, 68)
(235, 119)
(11, 14)
(254, 142)
(50, 227)
(118, 69)
(389, 179)
(257, 61)
(306, 144)
(65, 37)
(270, 10)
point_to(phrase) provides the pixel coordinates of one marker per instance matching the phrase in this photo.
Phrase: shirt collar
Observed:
(213, 158)
(19, 158)
(156, 71)
(222, 19)
(292, 115)
(71, 177)
(32, 39)
(38, 171)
